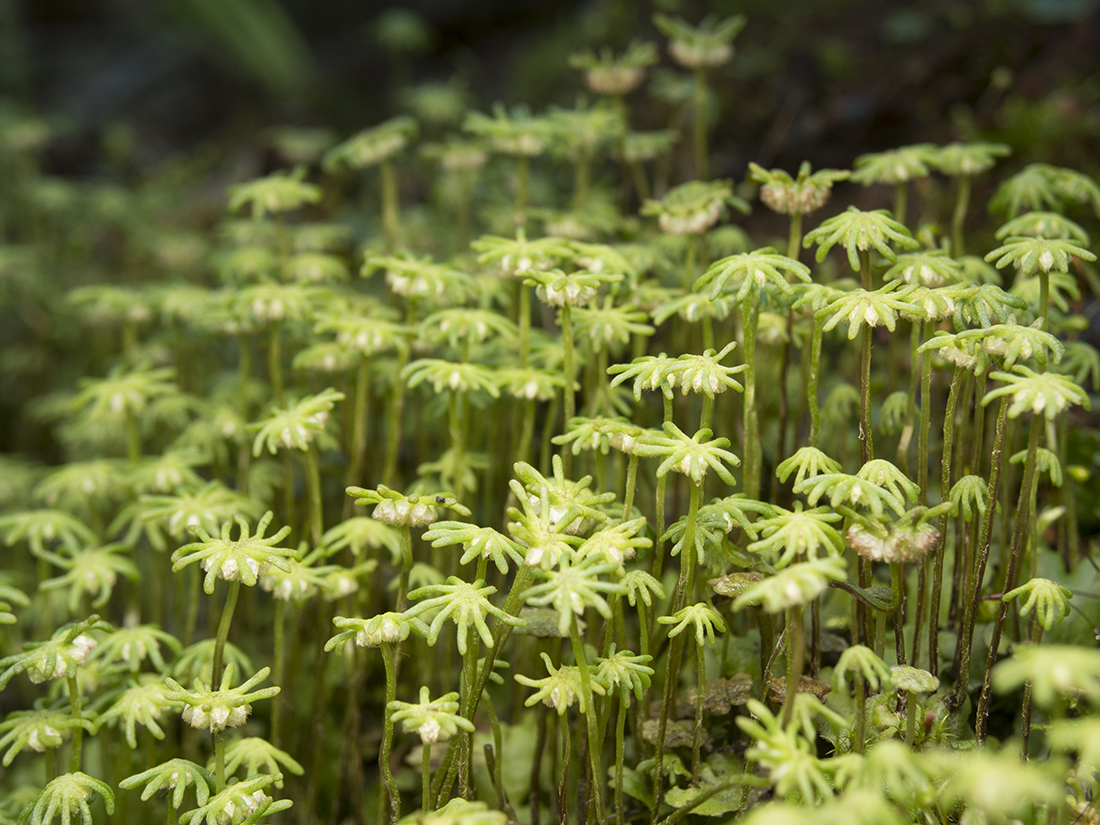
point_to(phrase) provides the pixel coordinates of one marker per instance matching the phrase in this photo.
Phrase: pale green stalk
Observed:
(974, 594)
(223, 630)
(1020, 540)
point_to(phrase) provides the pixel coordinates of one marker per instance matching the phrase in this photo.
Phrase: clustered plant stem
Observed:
(974, 590)
(1020, 539)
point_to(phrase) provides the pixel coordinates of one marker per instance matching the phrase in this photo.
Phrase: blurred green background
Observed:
(820, 79)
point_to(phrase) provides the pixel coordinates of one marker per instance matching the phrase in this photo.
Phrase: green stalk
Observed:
(360, 410)
(1044, 297)
(1019, 547)
(945, 486)
(75, 702)
(524, 322)
(406, 566)
(594, 750)
(813, 378)
(466, 742)
(275, 361)
(866, 445)
(527, 430)
(867, 450)
(620, 756)
(396, 416)
(1025, 714)
(193, 583)
(910, 719)
(568, 366)
(280, 669)
(796, 658)
(926, 421)
(901, 199)
(219, 763)
(700, 697)
(566, 759)
(387, 740)
(668, 699)
(685, 587)
(958, 218)
(966, 638)
(631, 482)
(750, 312)
(458, 442)
(313, 491)
(425, 777)
(906, 437)
(523, 171)
(706, 413)
(223, 631)
(859, 740)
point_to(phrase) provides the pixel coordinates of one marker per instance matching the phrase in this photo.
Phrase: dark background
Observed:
(818, 79)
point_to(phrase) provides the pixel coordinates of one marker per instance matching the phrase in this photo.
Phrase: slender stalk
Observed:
(910, 719)
(866, 445)
(523, 320)
(75, 710)
(945, 487)
(901, 200)
(1020, 540)
(425, 777)
(813, 378)
(360, 410)
(925, 418)
(631, 482)
(566, 758)
(523, 171)
(668, 700)
(620, 756)
(406, 567)
(219, 763)
(966, 638)
(569, 368)
(685, 587)
(396, 411)
(750, 312)
(958, 218)
(796, 657)
(275, 361)
(700, 698)
(1044, 298)
(527, 430)
(594, 750)
(280, 669)
(313, 485)
(223, 630)
(859, 740)
(1025, 713)
(536, 763)
(387, 740)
